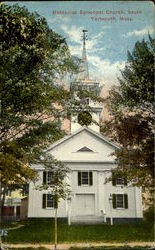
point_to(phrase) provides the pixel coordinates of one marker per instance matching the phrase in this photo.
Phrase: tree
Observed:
(58, 186)
(131, 106)
(34, 58)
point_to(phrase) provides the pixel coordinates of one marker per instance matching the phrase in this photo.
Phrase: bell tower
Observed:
(87, 113)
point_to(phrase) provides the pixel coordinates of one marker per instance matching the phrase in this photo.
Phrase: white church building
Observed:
(89, 157)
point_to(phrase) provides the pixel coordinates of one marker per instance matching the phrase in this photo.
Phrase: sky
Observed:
(113, 28)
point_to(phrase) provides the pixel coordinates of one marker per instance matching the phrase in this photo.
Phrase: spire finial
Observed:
(83, 67)
(84, 36)
(84, 74)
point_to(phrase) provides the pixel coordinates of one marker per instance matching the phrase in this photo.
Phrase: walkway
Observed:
(68, 245)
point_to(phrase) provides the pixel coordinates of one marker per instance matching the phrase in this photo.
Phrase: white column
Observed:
(110, 202)
(15, 211)
(69, 211)
(138, 203)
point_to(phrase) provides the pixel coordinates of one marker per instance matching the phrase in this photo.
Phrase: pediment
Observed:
(85, 146)
(78, 134)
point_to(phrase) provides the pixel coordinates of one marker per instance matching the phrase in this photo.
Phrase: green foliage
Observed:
(59, 187)
(118, 174)
(13, 165)
(34, 59)
(84, 118)
(137, 81)
(131, 106)
(149, 214)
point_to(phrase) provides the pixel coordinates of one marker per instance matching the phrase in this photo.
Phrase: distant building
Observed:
(88, 154)
(12, 205)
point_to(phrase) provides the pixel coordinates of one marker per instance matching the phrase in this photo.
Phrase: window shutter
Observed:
(79, 178)
(55, 198)
(44, 201)
(114, 200)
(113, 179)
(125, 180)
(125, 200)
(44, 177)
(90, 178)
(55, 178)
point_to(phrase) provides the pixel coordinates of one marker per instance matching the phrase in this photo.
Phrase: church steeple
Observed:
(83, 69)
(89, 115)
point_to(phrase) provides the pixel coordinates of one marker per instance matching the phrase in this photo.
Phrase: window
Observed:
(119, 181)
(8, 192)
(25, 190)
(49, 201)
(48, 178)
(85, 178)
(120, 200)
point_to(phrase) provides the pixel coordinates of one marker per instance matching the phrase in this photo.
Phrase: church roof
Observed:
(84, 128)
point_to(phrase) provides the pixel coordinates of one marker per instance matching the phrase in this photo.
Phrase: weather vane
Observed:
(84, 36)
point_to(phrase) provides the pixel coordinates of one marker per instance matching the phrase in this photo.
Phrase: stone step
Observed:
(87, 220)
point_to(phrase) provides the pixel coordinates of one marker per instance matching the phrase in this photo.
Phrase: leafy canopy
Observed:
(131, 106)
(34, 59)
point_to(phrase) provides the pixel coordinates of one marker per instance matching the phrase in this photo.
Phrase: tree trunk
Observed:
(0, 200)
(56, 230)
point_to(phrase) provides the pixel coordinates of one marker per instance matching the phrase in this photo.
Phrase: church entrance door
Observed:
(85, 204)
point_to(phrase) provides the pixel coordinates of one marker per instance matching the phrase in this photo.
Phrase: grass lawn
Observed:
(42, 231)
